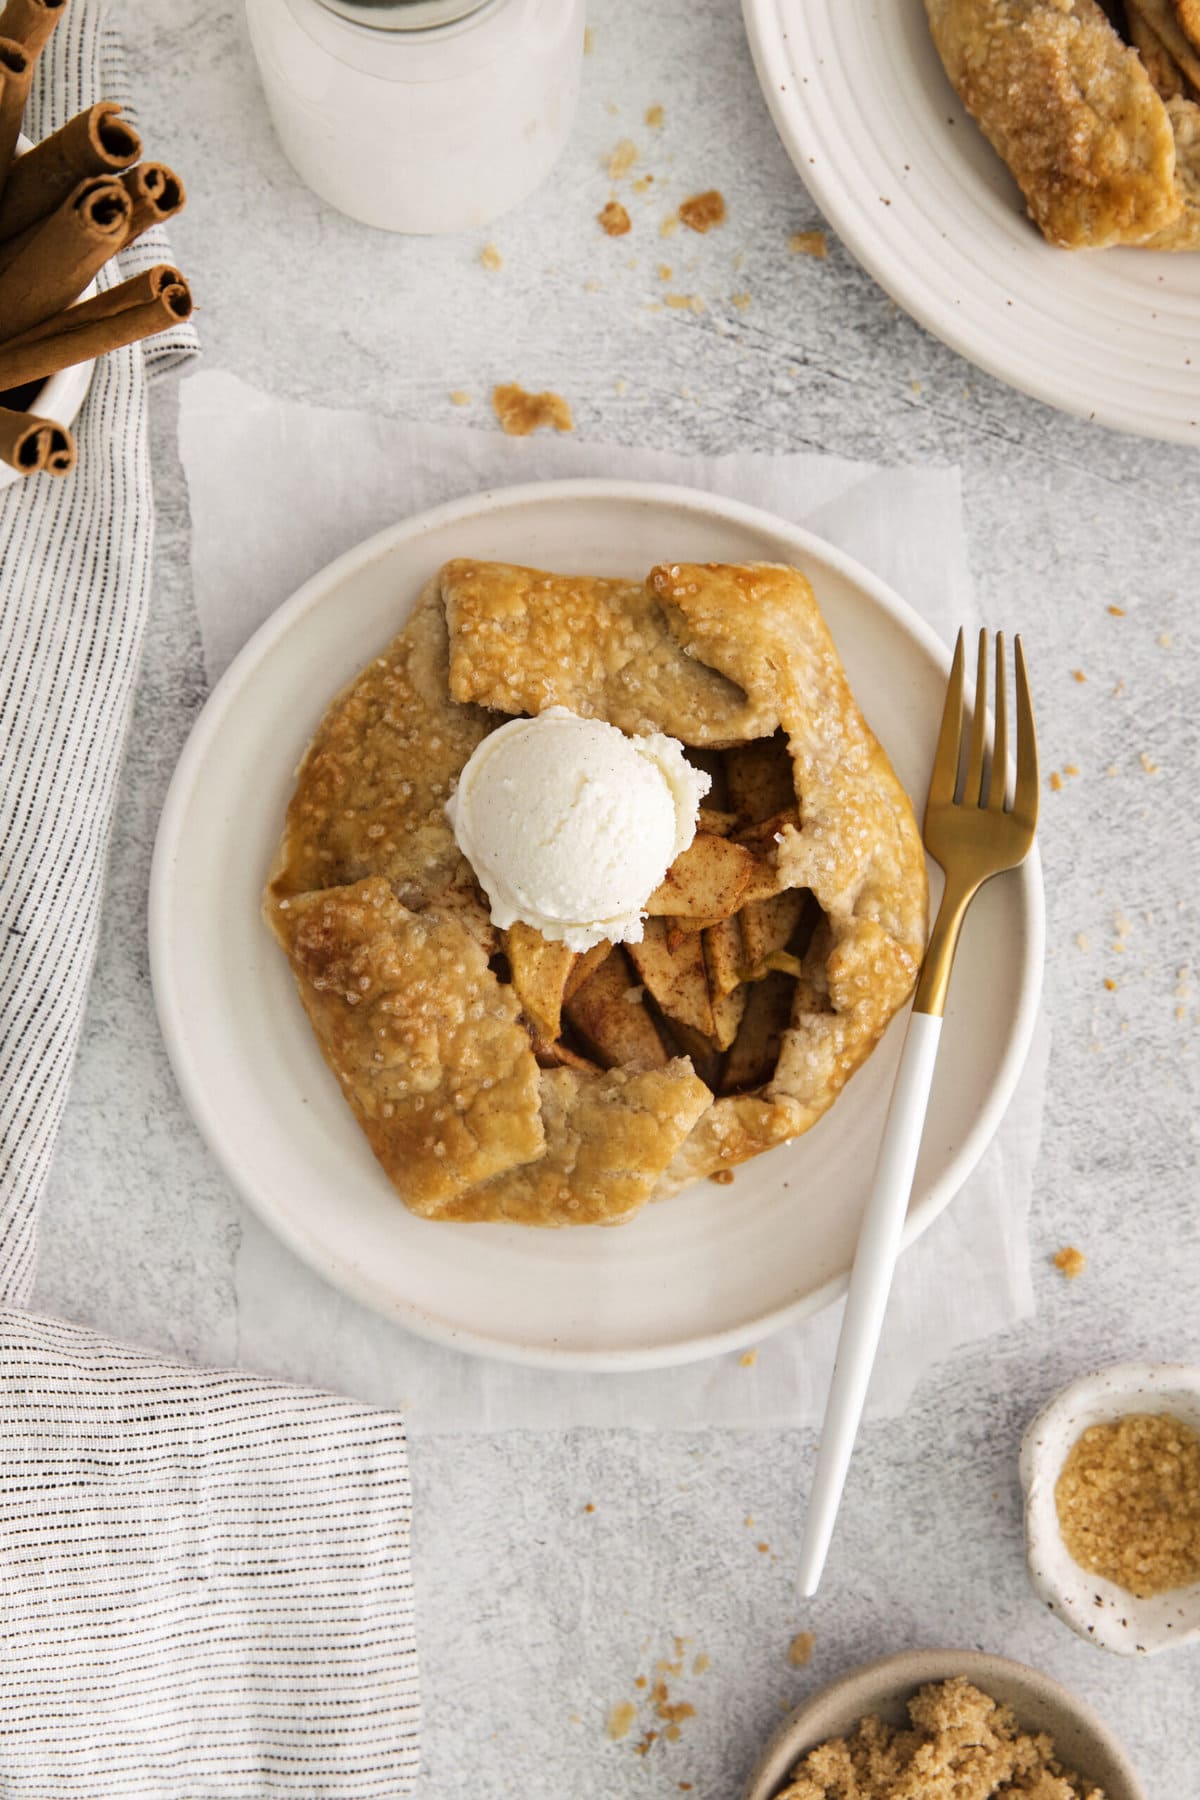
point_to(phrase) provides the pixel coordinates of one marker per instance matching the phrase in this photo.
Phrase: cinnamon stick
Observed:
(35, 361)
(156, 193)
(31, 22)
(150, 285)
(16, 74)
(57, 260)
(96, 142)
(28, 444)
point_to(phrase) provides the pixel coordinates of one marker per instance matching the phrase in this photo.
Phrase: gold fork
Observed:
(973, 837)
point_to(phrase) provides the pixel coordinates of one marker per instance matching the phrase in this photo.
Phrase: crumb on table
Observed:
(748, 1358)
(620, 1719)
(614, 219)
(801, 1648)
(622, 159)
(809, 243)
(700, 212)
(490, 257)
(520, 413)
(1070, 1262)
(654, 116)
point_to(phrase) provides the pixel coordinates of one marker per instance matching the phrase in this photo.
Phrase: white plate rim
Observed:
(890, 270)
(318, 589)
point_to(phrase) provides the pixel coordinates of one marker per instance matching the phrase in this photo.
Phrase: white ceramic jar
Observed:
(420, 115)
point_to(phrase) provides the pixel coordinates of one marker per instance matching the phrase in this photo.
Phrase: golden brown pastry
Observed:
(499, 1077)
(1165, 74)
(1184, 234)
(1071, 110)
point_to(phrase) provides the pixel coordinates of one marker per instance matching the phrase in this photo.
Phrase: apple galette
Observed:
(594, 887)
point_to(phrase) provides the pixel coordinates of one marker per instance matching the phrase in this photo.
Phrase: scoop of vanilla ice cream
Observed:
(570, 825)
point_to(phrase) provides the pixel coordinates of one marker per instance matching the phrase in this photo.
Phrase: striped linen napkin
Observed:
(205, 1586)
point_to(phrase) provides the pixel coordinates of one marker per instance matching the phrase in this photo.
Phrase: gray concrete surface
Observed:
(536, 1614)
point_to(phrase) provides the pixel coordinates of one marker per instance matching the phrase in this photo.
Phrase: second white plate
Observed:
(908, 181)
(712, 1268)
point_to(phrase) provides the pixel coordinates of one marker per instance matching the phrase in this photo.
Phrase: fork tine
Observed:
(998, 784)
(944, 779)
(973, 786)
(1028, 781)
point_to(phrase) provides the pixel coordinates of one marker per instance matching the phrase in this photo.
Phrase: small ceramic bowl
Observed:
(61, 396)
(885, 1688)
(1098, 1610)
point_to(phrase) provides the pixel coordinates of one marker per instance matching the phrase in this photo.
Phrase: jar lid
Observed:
(404, 15)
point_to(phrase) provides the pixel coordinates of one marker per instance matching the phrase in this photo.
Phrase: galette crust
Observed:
(426, 1043)
(1070, 109)
(858, 850)
(369, 884)
(522, 640)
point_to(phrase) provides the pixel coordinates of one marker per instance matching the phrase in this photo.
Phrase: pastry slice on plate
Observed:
(1072, 111)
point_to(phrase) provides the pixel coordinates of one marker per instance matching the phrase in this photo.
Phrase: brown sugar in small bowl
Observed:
(884, 1689)
(1097, 1609)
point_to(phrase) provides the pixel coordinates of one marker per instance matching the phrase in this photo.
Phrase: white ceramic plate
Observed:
(710, 1269)
(63, 394)
(906, 178)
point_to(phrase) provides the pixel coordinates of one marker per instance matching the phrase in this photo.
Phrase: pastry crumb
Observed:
(1078, 675)
(748, 1358)
(643, 184)
(723, 1177)
(620, 1719)
(701, 1664)
(459, 397)
(685, 302)
(801, 1648)
(701, 212)
(1070, 1262)
(1081, 940)
(809, 243)
(589, 40)
(654, 117)
(741, 301)
(1110, 984)
(1147, 763)
(589, 1508)
(1118, 612)
(1071, 769)
(762, 1549)
(614, 219)
(1056, 781)
(490, 257)
(622, 159)
(520, 413)
(669, 226)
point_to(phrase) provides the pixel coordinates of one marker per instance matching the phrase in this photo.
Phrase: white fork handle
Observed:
(870, 1282)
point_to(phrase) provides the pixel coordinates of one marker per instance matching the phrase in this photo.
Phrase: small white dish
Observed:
(919, 197)
(713, 1268)
(884, 1689)
(62, 395)
(1099, 1610)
